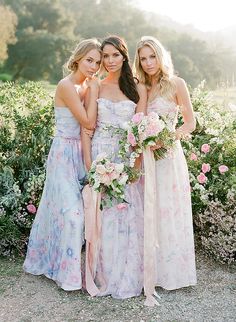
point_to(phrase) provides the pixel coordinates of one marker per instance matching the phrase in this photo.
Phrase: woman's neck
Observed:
(113, 77)
(77, 78)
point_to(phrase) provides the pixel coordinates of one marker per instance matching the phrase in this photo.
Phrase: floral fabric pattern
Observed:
(120, 261)
(56, 237)
(175, 265)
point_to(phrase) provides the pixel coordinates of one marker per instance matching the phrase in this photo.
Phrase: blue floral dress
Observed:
(120, 261)
(56, 237)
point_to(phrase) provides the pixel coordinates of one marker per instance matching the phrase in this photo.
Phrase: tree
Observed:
(45, 37)
(7, 30)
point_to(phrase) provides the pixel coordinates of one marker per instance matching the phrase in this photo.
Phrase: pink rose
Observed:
(205, 148)
(114, 175)
(131, 139)
(137, 118)
(201, 178)
(121, 206)
(31, 208)
(193, 157)
(206, 167)
(223, 168)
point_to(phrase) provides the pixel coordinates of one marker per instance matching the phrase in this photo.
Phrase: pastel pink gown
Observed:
(175, 267)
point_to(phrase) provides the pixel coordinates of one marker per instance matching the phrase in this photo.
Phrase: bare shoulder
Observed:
(179, 82)
(64, 83)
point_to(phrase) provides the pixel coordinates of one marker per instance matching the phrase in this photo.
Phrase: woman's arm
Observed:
(142, 103)
(183, 100)
(141, 107)
(86, 137)
(66, 93)
(86, 148)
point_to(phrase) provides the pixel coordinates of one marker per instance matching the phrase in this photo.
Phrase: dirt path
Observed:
(26, 298)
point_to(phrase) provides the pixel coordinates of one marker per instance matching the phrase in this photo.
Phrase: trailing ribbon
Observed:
(92, 200)
(150, 232)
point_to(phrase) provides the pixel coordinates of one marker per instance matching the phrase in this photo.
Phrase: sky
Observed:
(206, 15)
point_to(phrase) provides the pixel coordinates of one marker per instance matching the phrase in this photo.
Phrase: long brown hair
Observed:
(126, 80)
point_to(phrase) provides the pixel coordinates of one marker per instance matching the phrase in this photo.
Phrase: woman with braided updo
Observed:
(56, 237)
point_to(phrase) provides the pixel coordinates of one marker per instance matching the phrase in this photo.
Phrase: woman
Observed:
(167, 95)
(119, 265)
(56, 237)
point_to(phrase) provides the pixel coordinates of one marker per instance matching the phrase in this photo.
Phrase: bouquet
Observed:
(110, 179)
(143, 131)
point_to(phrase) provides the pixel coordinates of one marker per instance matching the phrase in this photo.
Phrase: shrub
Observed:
(211, 160)
(5, 77)
(26, 127)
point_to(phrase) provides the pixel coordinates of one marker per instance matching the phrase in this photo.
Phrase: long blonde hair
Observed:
(79, 52)
(164, 77)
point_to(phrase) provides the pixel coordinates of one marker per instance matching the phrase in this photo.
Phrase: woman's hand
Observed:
(158, 145)
(93, 83)
(180, 134)
(90, 133)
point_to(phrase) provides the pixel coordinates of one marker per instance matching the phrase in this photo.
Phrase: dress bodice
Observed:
(115, 114)
(66, 124)
(168, 109)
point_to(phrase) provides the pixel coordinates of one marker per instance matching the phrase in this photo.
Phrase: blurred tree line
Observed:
(40, 34)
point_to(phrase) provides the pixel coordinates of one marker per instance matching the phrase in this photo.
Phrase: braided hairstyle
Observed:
(126, 80)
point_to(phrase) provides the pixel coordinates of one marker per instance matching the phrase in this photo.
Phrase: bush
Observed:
(26, 126)
(211, 160)
(5, 77)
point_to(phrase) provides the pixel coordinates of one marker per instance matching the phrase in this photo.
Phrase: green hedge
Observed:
(26, 128)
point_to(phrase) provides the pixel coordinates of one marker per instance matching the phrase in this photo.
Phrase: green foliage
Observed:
(5, 77)
(44, 40)
(48, 30)
(213, 200)
(26, 118)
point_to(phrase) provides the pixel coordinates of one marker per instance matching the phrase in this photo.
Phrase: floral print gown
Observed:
(175, 256)
(120, 261)
(56, 237)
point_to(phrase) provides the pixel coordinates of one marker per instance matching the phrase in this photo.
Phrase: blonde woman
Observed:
(56, 237)
(173, 233)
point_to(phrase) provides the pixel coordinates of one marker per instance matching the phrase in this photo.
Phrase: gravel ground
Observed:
(26, 298)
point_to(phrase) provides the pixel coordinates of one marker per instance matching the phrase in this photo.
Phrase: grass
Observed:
(10, 267)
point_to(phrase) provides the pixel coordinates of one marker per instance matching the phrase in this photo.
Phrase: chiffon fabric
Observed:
(56, 237)
(175, 256)
(119, 267)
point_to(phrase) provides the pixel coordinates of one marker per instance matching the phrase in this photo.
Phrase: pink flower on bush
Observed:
(193, 157)
(121, 206)
(205, 148)
(201, 178)
(137, 118)
(31, 208)
(206, 167)
(131, 139)
(223, 168)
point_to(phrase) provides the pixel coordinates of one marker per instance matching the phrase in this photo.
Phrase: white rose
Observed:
(119, 167)
(123, 179)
